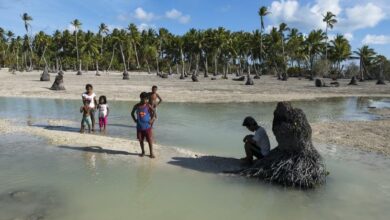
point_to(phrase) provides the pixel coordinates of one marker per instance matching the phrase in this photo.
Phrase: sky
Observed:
(360, 21)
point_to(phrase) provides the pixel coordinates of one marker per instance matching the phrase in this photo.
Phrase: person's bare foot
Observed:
(152, 156)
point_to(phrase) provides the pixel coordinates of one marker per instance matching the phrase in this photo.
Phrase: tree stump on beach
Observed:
(45, 76)
(256, 77)
(79, 73)
(294, 162)
(213, 78)
(335, 84)
(320, 83)
(58, 82)
(194, 78)
(126, 75)
(381, 82)
(353, 81)
(249, 81)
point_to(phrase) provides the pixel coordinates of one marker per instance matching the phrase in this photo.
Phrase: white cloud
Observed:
(376, 39)
(362, 16)
(145, 26)
(310, 16)
(175, 14)
(348, 36)
(142, 15)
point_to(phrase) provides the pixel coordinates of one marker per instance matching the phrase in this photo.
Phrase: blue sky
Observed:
(362, 21)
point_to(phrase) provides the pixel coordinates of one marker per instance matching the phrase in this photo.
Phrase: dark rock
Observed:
(164, 76)
(295, 161)
(58, 82)
(213, 78)
(353, 81)
(256, 77)
(45, 75)
(194, 78)
(182, 77)
(79, 73)
(126, 75)
(242, 78)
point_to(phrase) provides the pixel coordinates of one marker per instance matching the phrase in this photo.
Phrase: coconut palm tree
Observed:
(103, 30)
(91, 48)
(366, 56)
(314, 45)
(330, 20)
(340, 51)
(77, 25)
(263, 11)
(282, 28)
(26, 20)
(135, 40)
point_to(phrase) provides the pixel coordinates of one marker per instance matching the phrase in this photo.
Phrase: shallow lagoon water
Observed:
(84, 185)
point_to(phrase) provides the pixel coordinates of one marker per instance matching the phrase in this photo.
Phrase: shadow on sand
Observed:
(97, 149)
(209, 164)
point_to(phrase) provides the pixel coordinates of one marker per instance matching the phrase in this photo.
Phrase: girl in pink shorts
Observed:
(103, 113)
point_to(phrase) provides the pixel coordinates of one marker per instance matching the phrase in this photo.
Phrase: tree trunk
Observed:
(215, 65)
(157, 63)
(136, 56)
(112, 58)
(206, 68)
(182, 64)
(147, 66)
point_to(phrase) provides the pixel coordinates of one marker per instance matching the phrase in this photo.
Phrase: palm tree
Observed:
(340, 51)
(330, 20)
(26, 19)
(366, 56)
(91, 48)
(77, 25)
(103, 30)
(314, 46)
(282, 28)
(135, 40)
(263, 11)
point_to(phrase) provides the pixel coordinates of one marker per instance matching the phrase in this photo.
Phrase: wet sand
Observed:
(267, 89)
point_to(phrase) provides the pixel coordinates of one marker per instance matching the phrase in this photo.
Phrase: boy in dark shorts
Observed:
(86, 121)
(144, 120)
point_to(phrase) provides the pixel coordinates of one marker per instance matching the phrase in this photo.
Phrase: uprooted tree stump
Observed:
(58, 82)
(249, 81)
(353, 81)
(194, 78)
(320, 83)
(125, 75)
(45, 76)
(380, 82)
(295, 162)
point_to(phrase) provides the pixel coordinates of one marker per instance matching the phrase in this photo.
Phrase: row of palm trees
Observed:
(283, 51)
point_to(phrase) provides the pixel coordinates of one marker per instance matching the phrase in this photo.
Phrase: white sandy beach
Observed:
(267, 89)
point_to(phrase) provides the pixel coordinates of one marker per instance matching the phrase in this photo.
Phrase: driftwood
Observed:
(242, 78)
(294, 162)
(58, 82)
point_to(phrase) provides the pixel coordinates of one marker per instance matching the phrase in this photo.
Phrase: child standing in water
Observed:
(91, 96)
(145, 118)
(86, 121)
(154, 99)
(104, 111)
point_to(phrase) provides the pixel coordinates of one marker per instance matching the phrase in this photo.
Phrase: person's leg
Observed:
(101, 124)
(82, 126)
(92, 114)
(149, 138)
(248, 152)
(104, 123)
(141, 137)
(89, 123)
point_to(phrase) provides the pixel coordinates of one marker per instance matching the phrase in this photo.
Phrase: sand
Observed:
(369, 136)
(267, 89)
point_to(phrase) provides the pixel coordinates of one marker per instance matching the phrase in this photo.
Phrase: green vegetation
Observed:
(284, 51)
